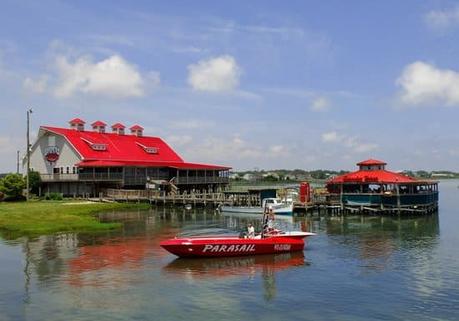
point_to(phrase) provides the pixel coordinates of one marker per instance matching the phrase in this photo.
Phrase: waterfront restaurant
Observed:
(374, 187)
(78, 162)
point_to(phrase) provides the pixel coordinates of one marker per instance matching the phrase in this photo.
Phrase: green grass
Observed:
(47, 217)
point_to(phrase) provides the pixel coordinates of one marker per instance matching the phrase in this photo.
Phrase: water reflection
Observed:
(377, 239)
(248, 266)
(400, 255)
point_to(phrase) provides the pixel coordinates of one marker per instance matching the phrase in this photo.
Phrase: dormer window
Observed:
(99, 147)
(148, 149)
(95, 146)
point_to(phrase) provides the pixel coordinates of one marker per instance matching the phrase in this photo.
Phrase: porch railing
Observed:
(81, 177)
(58, 177)
(201, 180)
(100, 176)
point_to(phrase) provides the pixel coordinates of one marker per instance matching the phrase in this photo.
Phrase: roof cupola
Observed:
(118, 128)
(77, 124)
(372, 165)
(99, 126)
(137, 130)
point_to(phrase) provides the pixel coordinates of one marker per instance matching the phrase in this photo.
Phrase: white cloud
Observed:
(215, 74)
(350, 142)
(331, 137)
(443, 19)
(192, 124)
(320, 104)
(229, 150)
(38, 85)
(179, 140)
(424, 83)
(113, 77)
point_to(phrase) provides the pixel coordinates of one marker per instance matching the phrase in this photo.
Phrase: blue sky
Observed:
(250, 84)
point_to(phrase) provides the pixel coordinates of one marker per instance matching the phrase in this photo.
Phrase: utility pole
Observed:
(17, 162)
(29, 111)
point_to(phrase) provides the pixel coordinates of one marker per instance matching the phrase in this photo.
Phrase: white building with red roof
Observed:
(76, 161)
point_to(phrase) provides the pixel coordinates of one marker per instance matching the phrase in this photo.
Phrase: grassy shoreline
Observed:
(47, 217)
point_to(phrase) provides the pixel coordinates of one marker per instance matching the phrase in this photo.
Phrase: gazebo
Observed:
(374, 187)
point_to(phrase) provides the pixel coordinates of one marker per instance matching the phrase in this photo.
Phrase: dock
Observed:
(320, 203)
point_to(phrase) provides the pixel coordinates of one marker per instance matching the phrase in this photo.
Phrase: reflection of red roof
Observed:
(124, 150)
(77, 121)
(370, 162)
(98, 123)
(118, 125)
(373, 176)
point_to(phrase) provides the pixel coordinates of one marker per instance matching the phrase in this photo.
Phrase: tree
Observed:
(12, 186)
(34, 182)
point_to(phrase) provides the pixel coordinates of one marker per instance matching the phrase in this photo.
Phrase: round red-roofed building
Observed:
(374, 187)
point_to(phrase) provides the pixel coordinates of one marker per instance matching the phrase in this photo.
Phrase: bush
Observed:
(54, 197)
(12, 186)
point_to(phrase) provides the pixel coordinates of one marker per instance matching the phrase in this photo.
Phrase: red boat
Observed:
(219, 246)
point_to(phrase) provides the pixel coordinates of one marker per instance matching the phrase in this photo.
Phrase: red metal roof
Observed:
(370, 162)
(124, 150)
(372, 176)
(179, 165)
(98, 123)
(77, 121)
(118, 125)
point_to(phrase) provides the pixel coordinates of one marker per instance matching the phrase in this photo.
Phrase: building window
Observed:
(56, 170)
(73, 170)
(62, 170)
(51, 140)
(68, 170)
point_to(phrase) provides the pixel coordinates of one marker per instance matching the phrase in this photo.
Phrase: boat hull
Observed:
(284, 210)
(235, 246)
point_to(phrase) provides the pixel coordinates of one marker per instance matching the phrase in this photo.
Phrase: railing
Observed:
(101, 176)
(81, 177)
(153, 195)
(201, 180)
(58, 177)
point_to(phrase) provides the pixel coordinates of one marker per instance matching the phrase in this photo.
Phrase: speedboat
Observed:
(218, 246)
(278, 207)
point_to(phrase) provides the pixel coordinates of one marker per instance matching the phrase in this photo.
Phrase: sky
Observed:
(248, 84)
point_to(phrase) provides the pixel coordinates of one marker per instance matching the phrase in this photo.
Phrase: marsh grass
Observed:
(47, 217)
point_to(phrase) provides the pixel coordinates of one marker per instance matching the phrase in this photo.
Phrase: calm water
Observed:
(357, 268)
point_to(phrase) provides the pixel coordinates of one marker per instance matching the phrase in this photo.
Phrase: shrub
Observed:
(12, 186)
(54, 197)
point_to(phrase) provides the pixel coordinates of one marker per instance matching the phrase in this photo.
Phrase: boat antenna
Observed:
(265, 212)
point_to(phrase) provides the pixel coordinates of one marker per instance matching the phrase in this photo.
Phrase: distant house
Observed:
(271, 174)
(248, 177)
(233, 175)
(75, 161)
(442, 175)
